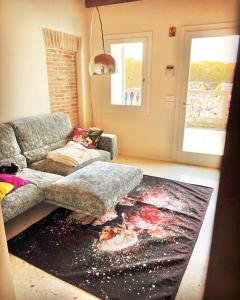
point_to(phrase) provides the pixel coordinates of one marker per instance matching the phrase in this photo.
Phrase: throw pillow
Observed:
(5, 188)
(16, 181)
(89, 138)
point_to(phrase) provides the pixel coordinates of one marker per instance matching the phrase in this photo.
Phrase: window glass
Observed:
(126, 85)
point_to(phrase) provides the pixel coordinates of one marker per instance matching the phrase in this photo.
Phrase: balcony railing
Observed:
(208, 108)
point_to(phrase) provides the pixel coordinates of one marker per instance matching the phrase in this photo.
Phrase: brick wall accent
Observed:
(61, 49)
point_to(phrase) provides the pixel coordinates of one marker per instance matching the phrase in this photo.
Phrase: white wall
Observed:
(23, 75)
(152, 135)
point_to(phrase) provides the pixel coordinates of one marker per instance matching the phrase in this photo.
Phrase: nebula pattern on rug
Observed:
(139, 249)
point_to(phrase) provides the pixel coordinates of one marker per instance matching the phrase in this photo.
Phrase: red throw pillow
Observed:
(89, 138)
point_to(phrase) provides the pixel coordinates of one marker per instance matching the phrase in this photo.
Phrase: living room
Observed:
(148, 116)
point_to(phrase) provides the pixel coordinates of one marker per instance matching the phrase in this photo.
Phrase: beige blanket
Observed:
(72, 154)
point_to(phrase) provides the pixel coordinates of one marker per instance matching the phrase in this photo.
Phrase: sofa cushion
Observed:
(95, 189)
(38, 135)
(9, 148)
(20, 201)
(29, 195)
(50, 166)
(41, 179)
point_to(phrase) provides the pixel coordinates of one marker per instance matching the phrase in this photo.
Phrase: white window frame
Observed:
(146, 39)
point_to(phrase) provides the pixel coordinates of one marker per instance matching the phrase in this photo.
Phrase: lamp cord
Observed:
(90, 46)
(90, 55)
(100, 20)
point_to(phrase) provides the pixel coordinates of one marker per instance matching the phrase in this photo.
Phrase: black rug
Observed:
(139, 250)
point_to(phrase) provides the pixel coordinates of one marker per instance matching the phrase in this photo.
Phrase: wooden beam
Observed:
(93, 3)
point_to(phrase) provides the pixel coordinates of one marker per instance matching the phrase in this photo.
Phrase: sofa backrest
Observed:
(9, 148)
(38, 135)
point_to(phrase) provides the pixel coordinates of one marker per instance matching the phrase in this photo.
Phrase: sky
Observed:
(215, 49)
(222, 48)
(133, 50)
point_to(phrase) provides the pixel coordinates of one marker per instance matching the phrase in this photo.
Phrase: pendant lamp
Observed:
(102, 64)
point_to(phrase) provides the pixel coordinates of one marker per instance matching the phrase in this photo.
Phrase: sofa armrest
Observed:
(108, 142)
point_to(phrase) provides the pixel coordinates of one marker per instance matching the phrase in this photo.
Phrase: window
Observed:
(126, 85)
(128, 89)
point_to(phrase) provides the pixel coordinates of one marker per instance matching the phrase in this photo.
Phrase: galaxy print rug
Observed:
(138, 250)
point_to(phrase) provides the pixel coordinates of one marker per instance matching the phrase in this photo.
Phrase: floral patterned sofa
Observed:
(26, 142)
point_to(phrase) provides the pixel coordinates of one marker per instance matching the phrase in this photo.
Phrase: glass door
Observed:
(206, 99)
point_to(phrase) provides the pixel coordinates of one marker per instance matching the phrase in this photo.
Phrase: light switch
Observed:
(170, 98)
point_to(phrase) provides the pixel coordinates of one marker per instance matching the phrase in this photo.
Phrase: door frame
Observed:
(186, 35)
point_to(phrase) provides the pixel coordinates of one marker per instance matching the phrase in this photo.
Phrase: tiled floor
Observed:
(33, 284)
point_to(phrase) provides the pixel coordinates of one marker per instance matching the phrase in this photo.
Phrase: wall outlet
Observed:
(169, 104)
